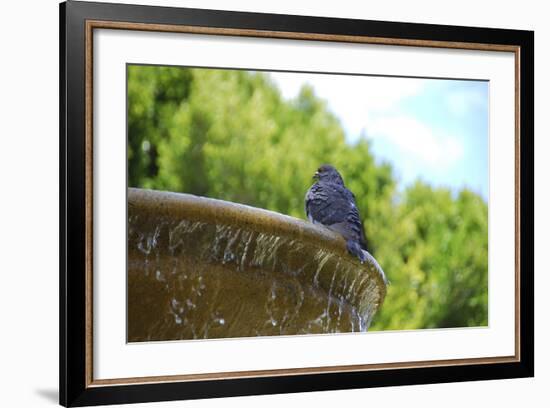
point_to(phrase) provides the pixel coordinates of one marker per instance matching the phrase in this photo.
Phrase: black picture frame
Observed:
(75, 387)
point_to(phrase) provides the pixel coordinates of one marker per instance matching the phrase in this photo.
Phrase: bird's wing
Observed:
(326, 203)
(334, 205)
(331, 204)
(355, 219)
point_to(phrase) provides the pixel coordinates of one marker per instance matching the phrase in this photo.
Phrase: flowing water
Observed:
(200, 268)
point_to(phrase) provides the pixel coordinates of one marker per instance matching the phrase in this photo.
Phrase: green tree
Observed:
(436, 253)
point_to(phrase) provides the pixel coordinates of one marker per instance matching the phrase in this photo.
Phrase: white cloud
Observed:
(373, 105)
(352, 98)
(411, 137)
(462, 102)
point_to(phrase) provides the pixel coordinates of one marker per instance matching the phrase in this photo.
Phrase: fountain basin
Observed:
(204, 268)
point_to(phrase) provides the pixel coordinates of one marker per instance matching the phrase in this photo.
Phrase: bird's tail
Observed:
(354, 248)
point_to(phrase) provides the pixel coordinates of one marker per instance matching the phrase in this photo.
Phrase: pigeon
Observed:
(328, 202)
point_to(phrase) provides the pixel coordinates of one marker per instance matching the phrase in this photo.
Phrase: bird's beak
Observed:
(316, 176)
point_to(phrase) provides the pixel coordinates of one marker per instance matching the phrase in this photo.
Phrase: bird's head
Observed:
(329, 174)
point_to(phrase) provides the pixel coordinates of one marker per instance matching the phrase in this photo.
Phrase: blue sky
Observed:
(435, 130)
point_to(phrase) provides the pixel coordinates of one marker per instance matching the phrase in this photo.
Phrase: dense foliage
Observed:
(229, 134)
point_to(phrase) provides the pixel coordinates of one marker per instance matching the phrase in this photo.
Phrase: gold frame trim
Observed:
(100, 24)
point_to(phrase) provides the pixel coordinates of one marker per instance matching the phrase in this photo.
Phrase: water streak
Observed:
(190, 279)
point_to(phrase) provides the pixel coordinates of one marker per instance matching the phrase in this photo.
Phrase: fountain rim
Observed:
(198, 208)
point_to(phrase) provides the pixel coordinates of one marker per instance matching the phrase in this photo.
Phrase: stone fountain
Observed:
(202, 268)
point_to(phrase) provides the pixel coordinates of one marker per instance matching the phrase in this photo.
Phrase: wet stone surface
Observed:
(200, 268)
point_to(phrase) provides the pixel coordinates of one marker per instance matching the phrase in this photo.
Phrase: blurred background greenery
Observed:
(229, 134)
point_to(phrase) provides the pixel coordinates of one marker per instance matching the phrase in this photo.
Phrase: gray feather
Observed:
(330, 203)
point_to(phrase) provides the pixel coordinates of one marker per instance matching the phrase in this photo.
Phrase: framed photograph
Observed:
(256, 203)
